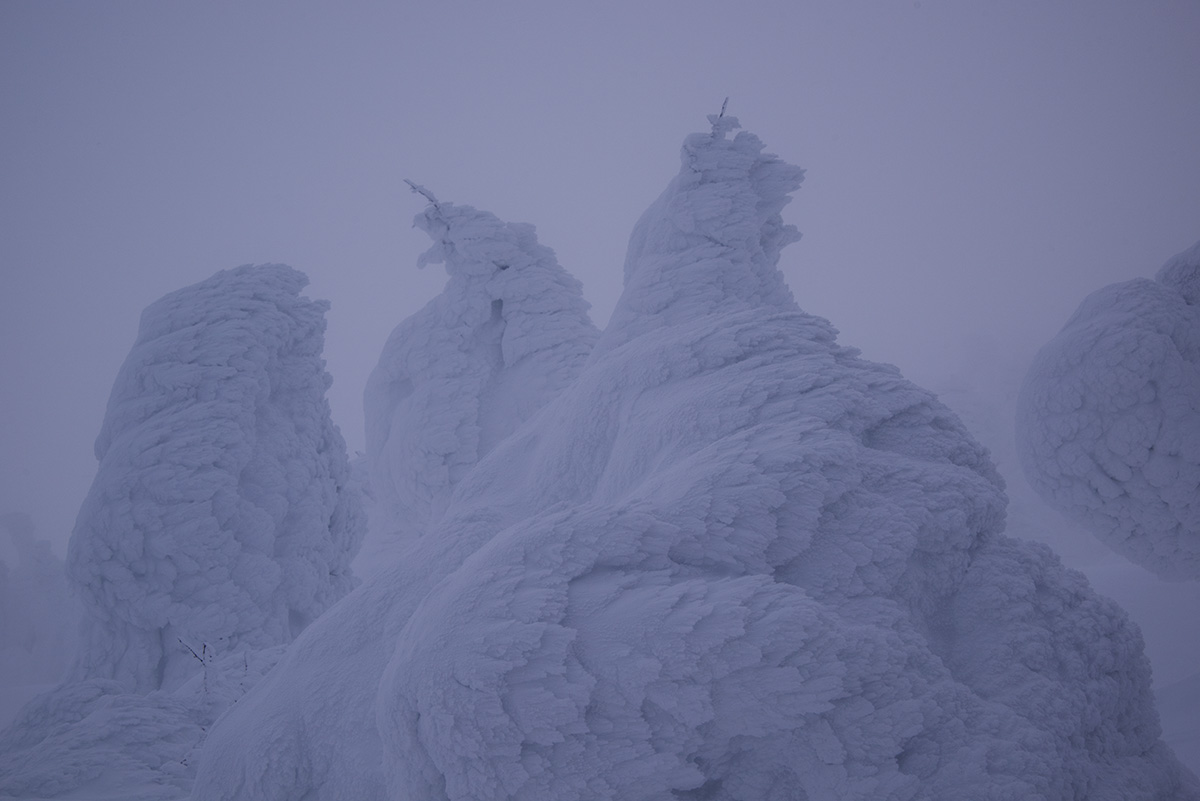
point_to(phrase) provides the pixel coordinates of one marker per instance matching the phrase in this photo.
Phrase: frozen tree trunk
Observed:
(219, 519)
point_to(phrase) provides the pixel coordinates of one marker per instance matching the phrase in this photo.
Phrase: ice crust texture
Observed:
(1108, 419)
(219, 517)
(729, 560)
(94, 740)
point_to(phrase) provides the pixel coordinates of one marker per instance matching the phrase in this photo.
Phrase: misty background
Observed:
(973, 171)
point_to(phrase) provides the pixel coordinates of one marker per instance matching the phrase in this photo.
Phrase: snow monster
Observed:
(729, 559)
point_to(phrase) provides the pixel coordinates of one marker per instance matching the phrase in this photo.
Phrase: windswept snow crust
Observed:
(507, 333)
(1108, 420)
(218, 526)
(729, 560)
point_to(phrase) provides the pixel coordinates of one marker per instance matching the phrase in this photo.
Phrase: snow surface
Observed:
(93, 739)
(507, 333)
(1108, 419)
(220, 523)
(730, 560)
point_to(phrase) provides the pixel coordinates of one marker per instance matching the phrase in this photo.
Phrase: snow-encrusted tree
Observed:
(731, 560)
(1108, 419)
(219, 518)
(507, 333)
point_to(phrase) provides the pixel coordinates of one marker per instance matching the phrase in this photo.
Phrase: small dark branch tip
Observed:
(425, 193)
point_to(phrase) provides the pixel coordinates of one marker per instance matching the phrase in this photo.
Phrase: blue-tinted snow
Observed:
(220, 523)
(1108, 420)
(731, 560)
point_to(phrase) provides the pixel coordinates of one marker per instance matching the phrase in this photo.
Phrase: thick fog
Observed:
(973, 171)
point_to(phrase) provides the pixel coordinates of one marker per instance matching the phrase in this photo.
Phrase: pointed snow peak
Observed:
(711, 242)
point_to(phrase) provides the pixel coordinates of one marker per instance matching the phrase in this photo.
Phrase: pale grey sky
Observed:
(974, 168)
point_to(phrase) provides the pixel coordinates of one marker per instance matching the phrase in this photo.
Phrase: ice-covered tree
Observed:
(731, 560)
(507, 333)
(1108, 419)
(219, 518)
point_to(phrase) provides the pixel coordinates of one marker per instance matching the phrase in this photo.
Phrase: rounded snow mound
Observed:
(1108, 419)
(731, 560)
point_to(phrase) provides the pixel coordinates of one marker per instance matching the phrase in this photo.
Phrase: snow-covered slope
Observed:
(94, 740)
(982, 389)
(731, 560)
(507, 333)
(1108, 419)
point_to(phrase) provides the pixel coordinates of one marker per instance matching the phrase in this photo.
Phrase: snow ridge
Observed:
(1108, 419)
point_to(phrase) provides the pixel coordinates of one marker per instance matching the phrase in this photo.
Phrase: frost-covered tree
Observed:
(731, 560)
(1108, 419)
(507, 333)
(219, 518)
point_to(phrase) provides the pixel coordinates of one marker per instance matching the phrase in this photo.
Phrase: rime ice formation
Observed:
(93, 740)
(218, 526)
(219, 514)
(1108, 420)
(507, 333)
(731, 560)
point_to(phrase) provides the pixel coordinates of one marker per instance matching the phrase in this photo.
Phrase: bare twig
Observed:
(202, 657)
(425, 193)
(191, 650)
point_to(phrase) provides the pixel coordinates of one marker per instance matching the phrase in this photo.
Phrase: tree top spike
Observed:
(425, 193)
